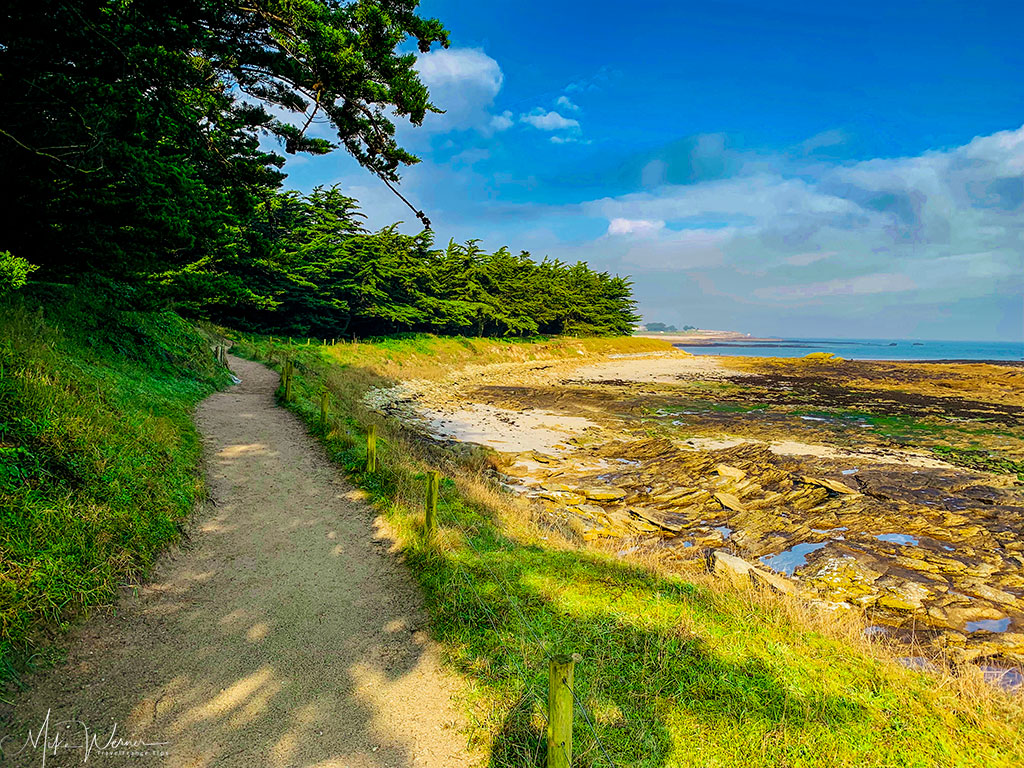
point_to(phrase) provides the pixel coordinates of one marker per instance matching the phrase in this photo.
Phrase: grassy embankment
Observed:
(675, 671)
(98, 456)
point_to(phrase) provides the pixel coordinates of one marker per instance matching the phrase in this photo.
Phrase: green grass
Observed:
(98, 455)
(981, 459)
(674, 672)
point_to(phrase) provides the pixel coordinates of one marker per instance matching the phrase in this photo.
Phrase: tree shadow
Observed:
(644, 679)
(285, 635)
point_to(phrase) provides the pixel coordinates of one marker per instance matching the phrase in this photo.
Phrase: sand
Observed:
(663, 368)
(504, 429)
(285, 634)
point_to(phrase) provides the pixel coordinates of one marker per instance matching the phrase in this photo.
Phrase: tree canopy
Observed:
(134, 129)
(306, 266)
(141, 140)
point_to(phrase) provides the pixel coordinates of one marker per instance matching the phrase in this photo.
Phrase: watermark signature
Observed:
(55, 738)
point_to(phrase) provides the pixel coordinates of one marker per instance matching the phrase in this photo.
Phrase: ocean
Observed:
(867, 349)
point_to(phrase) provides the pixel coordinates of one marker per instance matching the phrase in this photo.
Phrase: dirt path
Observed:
(285, 635)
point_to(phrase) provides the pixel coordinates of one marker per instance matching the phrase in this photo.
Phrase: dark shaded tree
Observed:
(136, 131)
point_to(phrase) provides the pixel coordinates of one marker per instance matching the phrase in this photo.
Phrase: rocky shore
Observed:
(892, 489)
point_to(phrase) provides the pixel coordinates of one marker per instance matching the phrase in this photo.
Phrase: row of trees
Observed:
(304, 265)
(134, 144)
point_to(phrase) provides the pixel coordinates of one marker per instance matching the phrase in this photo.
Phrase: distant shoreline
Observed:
(730, 344)
(705, 338)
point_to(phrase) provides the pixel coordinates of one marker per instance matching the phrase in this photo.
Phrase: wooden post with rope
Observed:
(560, 682)
(371, 448)
(288, 372)
(433, 483)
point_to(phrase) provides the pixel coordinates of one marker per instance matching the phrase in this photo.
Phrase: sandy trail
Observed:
(285, 635)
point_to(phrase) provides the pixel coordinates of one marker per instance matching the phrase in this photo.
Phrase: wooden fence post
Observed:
(433, 482)
(371, 448)
(560, 674)
(324, 402)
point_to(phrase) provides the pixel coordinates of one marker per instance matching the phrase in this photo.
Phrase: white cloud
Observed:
(804, 259)
(461, 66)
(468, 157)
(463, 82)
(875, 226)
(569, 139)
(548, 121)
(502, 122)
(823, 140)
(929, 245)
(880, 282)
(565, 102)
(634, 226)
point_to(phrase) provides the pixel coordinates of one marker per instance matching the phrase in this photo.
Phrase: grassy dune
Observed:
(675, 671)
(98, 456)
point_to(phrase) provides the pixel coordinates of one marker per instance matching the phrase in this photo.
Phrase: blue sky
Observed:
(822, 169)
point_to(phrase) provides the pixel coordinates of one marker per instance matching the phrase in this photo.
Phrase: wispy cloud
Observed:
(564, 102)
(879, 282)
(543, 120)
(804, 259)
(502, 122)
(634, 226)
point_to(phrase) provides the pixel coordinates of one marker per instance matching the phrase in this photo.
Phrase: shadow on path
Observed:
(284, 634)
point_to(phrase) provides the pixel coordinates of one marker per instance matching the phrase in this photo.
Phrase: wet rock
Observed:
(957, 614)
(657, 520)
(988, 592)
(843, 578)
(734, 473)
(559, 487)
(741, 573)
(903, 596)
(603, 494)
(729, 501)
(832, 485)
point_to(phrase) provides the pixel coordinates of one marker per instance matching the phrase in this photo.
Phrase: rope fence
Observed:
(562, 700)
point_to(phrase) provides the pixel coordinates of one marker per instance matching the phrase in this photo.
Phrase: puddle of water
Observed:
(787, 562)
(1010, 679)
(849, 471)
(948, 548)
(814, 418)
(990, 625)
(916, 662)
(897, 538)
(725, 530)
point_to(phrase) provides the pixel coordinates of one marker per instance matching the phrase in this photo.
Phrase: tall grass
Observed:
(98, 455)
(677, 669)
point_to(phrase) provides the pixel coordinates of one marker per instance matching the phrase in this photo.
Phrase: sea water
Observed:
(867, 349)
